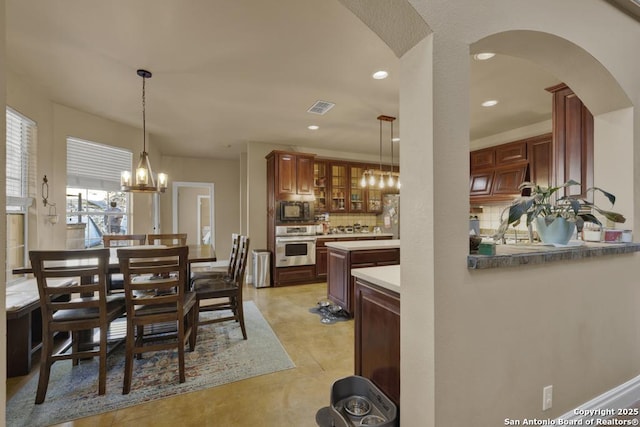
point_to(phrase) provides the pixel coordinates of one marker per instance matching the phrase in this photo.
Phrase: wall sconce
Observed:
(52, 216)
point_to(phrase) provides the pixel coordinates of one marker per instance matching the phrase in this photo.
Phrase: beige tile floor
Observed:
(321, 353)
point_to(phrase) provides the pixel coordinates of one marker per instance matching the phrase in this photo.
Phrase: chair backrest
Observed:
(154, 276)
(114, 240)
(233, 256)
(89, 265)
(172, 239)
(241, 264)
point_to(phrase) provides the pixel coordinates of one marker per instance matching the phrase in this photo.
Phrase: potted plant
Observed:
(555, 219)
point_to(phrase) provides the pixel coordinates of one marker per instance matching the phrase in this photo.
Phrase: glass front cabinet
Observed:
(356, 191)
(320, 180)
(339, 187)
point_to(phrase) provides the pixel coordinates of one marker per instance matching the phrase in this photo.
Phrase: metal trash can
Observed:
(261, 268)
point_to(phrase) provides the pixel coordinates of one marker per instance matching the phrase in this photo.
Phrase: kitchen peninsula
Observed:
(377, 327)
(343, 256)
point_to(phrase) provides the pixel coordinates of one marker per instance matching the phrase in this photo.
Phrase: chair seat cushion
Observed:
(211, 285)
(115, 307)
(188, 302)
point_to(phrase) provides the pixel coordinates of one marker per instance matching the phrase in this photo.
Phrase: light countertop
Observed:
(353, 235)
(361, 245)
(387, 277)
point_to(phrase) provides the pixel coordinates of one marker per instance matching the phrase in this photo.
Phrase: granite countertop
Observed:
(387, 276)
(352, 235)
(361, 245)
(530, 254)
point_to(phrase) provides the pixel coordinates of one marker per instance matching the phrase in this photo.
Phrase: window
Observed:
(93, 185)
(20, 159)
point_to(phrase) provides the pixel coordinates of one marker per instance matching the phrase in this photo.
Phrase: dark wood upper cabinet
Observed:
(292, 174)
(514, 152)
(572, 139)
(481, 182)
(507, 180)
(540, 156)
(304, 175)
(483, 159)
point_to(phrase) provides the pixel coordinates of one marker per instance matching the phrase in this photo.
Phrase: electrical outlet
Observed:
(547, 397)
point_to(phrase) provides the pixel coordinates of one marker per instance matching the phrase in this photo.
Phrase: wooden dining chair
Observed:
(64, 311)
(229, 289)
(199, 271)
(116, 240)
(171, 239)
(115, 281)
(155, 285)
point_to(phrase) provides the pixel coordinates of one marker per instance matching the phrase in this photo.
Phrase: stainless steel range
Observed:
(295, 245)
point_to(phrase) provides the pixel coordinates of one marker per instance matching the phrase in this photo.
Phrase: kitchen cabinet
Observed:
(320, 178)
(344, 256)
(572, 140)
(540, 154)
(322, 250)
(339, 173)
(377, 336)
(342, 183)
(292, 174)
(356, 191)
(294, 275)
(497, 172)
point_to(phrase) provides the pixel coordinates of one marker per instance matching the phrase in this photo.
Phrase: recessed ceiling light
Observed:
(379, 75)
(483, 56)
(489, 103)
(313, 127)
(395, 139)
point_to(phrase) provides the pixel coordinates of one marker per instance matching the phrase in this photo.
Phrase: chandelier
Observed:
(144, 180)
(378, 177)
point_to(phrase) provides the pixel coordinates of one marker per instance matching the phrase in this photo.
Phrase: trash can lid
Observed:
(261, 250)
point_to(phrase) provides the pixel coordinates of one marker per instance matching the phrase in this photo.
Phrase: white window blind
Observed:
(20, 162)
(95, 166)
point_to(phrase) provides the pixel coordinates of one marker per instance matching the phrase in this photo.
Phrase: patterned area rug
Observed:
(221, 356)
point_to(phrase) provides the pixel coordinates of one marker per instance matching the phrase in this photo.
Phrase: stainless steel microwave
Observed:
(294, 211)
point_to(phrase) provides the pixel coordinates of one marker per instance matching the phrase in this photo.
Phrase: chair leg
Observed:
(241, 318)
(45, 368)
(75, 346)
(139, 340)
(128, 360)
(181, 345)
(193, 327)
(102, 375)
(196, 321)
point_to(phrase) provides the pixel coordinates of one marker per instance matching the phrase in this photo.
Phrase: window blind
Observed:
(20, 162)
(95, 166)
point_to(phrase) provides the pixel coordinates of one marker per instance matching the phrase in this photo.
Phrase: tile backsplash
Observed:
(489, 219)
(370, 220)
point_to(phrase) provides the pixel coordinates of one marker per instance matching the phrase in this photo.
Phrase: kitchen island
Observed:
(377, 327)
(343, 256)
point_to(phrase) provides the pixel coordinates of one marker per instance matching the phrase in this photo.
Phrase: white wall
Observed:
(3, 229)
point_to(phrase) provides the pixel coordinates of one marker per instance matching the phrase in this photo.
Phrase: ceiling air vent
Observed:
(320, 107)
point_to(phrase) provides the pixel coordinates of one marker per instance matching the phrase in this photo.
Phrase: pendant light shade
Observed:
(143, 181)
(378, 177)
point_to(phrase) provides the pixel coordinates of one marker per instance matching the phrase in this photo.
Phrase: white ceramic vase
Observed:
(559, 231)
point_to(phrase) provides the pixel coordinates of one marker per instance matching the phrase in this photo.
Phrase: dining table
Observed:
(197, 254)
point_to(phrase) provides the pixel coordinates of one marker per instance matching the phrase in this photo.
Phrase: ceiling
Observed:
(229, 72)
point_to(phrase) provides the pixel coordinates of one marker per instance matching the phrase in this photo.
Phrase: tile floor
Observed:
(321, 353)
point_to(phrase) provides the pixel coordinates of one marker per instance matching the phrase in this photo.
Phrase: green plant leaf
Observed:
(590, 218)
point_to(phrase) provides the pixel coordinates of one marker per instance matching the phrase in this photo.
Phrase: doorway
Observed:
(193, 211)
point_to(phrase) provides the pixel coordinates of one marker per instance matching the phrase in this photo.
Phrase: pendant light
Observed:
(144, 179)
(380, 178)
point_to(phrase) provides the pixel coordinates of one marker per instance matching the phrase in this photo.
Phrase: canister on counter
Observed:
(487, 248)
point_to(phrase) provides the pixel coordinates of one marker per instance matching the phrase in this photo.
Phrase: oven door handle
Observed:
(290, 239)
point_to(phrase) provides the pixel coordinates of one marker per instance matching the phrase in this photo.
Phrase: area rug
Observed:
(221, 356)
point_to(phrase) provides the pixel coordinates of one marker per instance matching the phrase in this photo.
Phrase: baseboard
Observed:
(620, 397)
